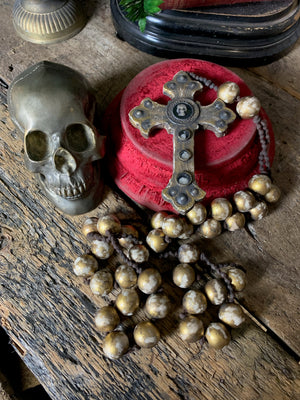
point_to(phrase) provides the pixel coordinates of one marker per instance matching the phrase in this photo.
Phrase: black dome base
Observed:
(248, 35)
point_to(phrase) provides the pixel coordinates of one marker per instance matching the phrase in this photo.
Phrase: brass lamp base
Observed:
(44, 21)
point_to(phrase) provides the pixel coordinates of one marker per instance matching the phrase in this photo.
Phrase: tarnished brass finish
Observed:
(48, 21)
(181, 117)
(53, 106)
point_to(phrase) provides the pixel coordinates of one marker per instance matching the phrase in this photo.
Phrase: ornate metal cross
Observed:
(181, 117)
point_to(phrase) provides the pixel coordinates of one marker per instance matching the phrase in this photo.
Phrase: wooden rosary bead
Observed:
(127, 302)
(197, 214)
(260, 184)
(273, 194)
(108, 223)
(138, 253)
(158, 305)
(244, 200)
(85, 265)
(191, 329)
(228, 92)
(259, 211)
(194, 302)
(235, 222)
(156, 240)
(172, 226)
(149, 281)
(146, 334)
(115, 344)
(125, 276)
(188, 253)
(107, 319)
(217, 335)
(158, 218)
(101, 249)
(184, 275)
(102, 282)
(231, 314)
(89, 226)
(216, 291)
(238, 278)
(221, 209)
(248, 107)
(210, 229)
(128, 230)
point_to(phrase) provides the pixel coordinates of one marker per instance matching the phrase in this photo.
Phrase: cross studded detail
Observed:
(181, 117)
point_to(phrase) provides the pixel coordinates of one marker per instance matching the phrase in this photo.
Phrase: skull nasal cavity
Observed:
(64, 161)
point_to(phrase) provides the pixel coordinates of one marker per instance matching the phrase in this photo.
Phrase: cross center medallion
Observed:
(181, 117)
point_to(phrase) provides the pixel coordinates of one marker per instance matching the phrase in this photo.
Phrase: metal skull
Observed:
(53, 106)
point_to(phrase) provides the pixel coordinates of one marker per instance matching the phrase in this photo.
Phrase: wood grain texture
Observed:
(49, 313)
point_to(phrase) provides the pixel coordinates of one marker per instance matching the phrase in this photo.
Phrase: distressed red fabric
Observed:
(142, 167)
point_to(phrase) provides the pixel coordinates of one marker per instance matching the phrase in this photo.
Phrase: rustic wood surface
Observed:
(49, 313)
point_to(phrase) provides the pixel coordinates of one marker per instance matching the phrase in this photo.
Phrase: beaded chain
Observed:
(202, 282)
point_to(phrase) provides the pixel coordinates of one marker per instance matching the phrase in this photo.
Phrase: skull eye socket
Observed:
(36, 143)
(80, 137)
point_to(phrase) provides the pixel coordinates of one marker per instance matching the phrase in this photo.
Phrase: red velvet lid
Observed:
(142, 167)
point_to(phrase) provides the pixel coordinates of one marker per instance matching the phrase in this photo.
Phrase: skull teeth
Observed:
(71, 191)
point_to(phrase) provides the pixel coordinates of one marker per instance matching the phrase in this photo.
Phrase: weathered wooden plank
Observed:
(49, 313)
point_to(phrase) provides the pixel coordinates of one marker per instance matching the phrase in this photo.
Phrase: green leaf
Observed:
(142, 24)
(151, 6)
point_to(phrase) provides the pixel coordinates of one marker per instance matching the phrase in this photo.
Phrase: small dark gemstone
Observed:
(184, 178)
(181, 78)
(220, 123)
(218, 105)
(184, 134)
(194, 191)
(173, 192)
(182, 199)
(138, 113)
(185, 155)
(146, 124)
(148, 104)
(225, 115)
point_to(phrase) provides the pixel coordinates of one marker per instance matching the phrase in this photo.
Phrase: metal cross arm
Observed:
(181, 117)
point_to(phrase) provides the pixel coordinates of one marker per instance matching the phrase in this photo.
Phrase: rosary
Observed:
(202, 283)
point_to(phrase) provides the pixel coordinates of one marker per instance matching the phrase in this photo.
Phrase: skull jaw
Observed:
(81, 205)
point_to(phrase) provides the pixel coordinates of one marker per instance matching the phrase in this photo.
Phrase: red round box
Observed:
(143, 167)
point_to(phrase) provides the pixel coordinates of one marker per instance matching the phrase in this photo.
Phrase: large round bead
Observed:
(217, 335)
(194, 302)
(149, 281)
(107, 319)
(183, 275)
(238, 278)
(216, 291)
(228, 92)
(156, 240)
(146, 334)
(85, 265)
(129, 234)
(138, 253)
(188, 253)
(188, 230)
(191, 329)
(273, 194)
(172, 226)
(260, 184)
(102, 282)
(89, 226)
(101, 249)
(248, 107)
(158, 305)
(244, 201)
(210, 229)
(125, 276)
(158, 219)
(127, 302)
(235, 221)
(115, 344)
(259, 211)
(221, 209)
(197, 214)
(231, 314)
(108, 223)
